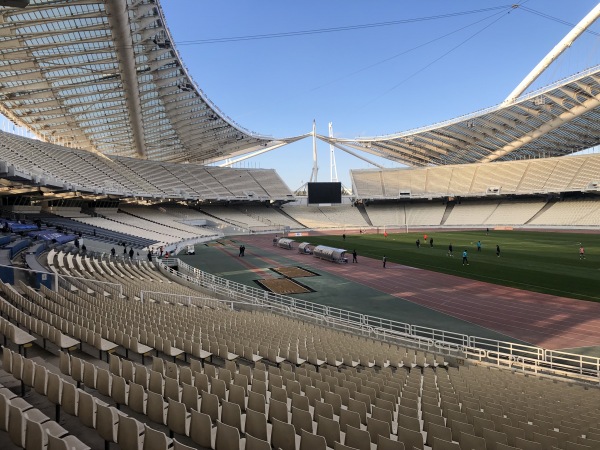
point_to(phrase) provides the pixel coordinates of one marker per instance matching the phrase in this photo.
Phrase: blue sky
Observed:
(371, 81)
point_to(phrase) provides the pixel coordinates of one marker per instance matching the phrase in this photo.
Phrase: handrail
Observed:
(474, 347)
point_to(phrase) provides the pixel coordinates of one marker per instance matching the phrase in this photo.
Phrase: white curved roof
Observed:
(553, 121)
(104, 75)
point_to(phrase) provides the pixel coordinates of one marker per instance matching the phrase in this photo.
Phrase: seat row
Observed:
(28, 427)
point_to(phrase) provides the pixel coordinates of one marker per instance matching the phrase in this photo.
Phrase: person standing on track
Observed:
(354, 260)
(384, 261)
(465, 257)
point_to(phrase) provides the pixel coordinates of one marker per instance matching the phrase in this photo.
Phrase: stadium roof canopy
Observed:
(559, 119)
(104, 75)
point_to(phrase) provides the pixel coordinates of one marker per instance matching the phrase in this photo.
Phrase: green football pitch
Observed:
(545, 262)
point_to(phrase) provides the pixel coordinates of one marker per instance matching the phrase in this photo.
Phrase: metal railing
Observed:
(502, 353)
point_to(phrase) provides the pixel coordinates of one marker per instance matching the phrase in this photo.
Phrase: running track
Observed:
(542, 320)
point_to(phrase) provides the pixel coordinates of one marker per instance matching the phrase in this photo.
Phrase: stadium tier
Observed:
(233, 378)
(536, 176)
(44, 164)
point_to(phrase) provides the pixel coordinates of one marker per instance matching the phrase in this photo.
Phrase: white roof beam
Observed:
(119, 23)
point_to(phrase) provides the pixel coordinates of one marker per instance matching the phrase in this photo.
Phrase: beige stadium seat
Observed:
(141, 376)
(120, 391)
(107, 423)
(383, 415)
(256, 424)
(190, 397)
(201, 381)
(88, 409)
(410, 438)
(472, 442)
(480, 423)
(70, 399)
(360, 408)
(41, 380)
(209, 404)
(378, 428)
(278, 393)
(253, 443)
(172, 389)
(138, 398)
(114, 364)
(156, 440)
(278, 410)
(37, 434)
(18, 417)
(389, 444)
(322, 409)
(492, 438)
(90, 375)
(28, 378)
(66, 443)
(179, 446)
(231, 415)
(218, 388)
(302, 420)
(357, 438)
(339, 446)
(458, 428)
(228, 438)
(309, 441)
(201, 430)
(130, 433)
(156, 382)
(178, 418)
(436, 431)
(157, 408)
(127, 370)
(256, 402)
(329, 429)
(104, 382)
(283, 436)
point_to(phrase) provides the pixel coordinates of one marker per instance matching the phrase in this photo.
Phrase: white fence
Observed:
(503, 353)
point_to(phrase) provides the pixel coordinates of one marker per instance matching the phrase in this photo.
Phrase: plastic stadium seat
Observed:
(309, 441)
(357, 438)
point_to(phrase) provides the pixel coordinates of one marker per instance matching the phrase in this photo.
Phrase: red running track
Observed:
(542, 320)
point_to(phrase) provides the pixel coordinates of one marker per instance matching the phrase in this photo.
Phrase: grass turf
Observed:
(537, 261)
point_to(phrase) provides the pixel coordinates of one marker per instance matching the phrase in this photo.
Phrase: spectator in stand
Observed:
(131, 253)
(113, 252)
(150, 256)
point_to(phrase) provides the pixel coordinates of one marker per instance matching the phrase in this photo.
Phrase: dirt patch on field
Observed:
(283, 286)
(293, 272)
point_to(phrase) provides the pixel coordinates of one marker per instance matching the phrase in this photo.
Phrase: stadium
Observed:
(159, 292)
